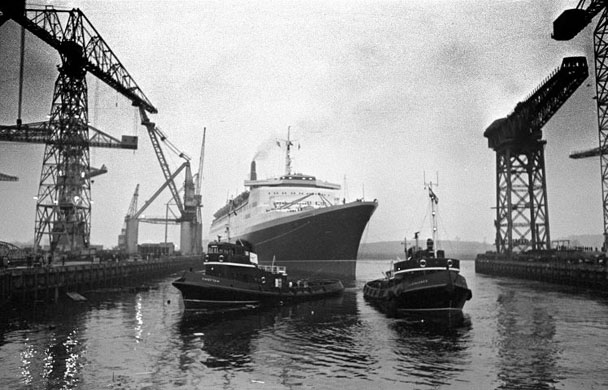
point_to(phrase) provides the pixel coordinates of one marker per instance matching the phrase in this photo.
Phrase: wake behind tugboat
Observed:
(232, 279)
(426, 283)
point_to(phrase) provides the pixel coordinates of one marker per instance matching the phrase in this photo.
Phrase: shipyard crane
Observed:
(63, 204)
(191, 233)
(522, 218)
(187, 209)
(198, 230)
(566, 27)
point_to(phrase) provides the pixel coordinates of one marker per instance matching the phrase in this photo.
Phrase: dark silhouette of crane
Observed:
(566, 27)
(522, 217)
(63, 206)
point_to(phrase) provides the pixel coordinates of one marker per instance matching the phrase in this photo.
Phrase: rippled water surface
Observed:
(516, 335)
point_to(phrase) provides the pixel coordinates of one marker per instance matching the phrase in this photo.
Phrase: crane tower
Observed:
(63, 206)
(522, 218)
(566, 27)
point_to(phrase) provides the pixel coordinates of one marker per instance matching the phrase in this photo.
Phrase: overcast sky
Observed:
(376, 94)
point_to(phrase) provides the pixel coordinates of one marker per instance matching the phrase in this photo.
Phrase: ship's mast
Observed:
(434, 202)
(287, 152)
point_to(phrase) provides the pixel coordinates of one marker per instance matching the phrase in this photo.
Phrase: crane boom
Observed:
(531, 115)
(572, 21)
(153, 132)
(133, 205)
(41, 133)
(90, 52)
(199, 175)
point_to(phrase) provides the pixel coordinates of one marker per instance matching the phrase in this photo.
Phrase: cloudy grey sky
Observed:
(376, 93)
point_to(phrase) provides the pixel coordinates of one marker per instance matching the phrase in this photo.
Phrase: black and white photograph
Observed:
(361, 194)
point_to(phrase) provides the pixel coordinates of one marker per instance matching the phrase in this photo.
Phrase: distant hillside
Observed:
(392, 249)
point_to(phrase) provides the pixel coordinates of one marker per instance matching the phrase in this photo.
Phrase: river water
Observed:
(517, 334)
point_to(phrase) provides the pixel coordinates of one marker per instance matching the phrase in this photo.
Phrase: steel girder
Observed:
(522, 219)
(601, 78)
(63, 208)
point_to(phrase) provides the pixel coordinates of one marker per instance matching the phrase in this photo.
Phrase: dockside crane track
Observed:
(566, 27)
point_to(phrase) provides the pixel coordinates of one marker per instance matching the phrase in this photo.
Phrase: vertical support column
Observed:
(503, 202)
(601, 79)
(63, 209)
(521, 201)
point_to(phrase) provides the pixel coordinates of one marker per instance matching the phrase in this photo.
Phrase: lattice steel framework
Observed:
(63, 210)
(522, 216)
(63, 207)
(566, 27)
(601, 79)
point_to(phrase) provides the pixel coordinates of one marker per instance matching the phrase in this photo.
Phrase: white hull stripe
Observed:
(231, 264)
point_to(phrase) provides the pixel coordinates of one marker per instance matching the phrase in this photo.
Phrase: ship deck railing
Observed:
(275, 269)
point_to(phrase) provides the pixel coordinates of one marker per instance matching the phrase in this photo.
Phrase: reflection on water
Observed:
(514, 334)
(433, 351)
(50, 348)
(526, 345)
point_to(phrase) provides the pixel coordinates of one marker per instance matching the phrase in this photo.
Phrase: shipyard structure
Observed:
(524, 248)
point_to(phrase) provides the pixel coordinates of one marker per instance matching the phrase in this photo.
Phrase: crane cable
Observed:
(21, 56)
(170, 145)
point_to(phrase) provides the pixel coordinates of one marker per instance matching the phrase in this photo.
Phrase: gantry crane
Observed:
(522, 218)
(63, 204)
(566, 27)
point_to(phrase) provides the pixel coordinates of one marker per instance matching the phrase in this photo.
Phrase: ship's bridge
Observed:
(292, 180)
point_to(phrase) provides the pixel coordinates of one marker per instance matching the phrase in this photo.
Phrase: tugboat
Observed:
(233, 279)
(425, 283)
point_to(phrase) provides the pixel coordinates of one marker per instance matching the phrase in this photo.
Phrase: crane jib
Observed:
(82, 46)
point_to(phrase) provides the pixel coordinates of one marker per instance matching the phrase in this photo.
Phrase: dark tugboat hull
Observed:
(201, 292)
(432, 293)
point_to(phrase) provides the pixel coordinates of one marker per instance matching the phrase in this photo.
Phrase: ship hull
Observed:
(204, 292)
(436, 292)
(322, 241)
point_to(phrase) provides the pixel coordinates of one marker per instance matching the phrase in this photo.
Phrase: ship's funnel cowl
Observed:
(253, 175)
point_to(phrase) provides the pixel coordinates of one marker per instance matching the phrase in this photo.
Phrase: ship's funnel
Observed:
(253, 175)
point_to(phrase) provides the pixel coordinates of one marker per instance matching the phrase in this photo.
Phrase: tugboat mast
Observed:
(434, 202)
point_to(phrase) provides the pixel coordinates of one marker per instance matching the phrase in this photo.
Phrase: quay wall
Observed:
(590, 272)
(28, 285)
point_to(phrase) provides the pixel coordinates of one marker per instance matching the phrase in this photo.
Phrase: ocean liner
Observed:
(298, 221)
